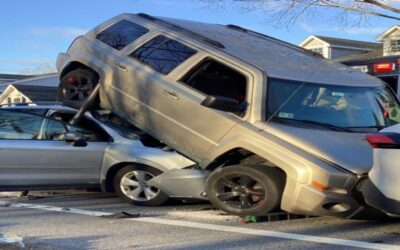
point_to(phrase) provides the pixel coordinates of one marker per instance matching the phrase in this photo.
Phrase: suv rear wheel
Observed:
(130, 183)
(76, 86)
(245, 190)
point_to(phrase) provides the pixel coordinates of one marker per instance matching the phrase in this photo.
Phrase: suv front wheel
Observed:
(245, 190)
(76, 86)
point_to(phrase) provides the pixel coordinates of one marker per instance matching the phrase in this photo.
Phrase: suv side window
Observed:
(121, 34)
(216, 79)
(163, 54)
(19, 125)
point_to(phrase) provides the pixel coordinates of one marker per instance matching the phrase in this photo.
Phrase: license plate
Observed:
(362, 68)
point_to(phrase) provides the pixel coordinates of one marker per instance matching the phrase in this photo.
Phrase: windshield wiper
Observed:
(326, 125)
(361, 127)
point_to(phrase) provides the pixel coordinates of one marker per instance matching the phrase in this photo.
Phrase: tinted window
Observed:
(213, 78)
(121, 34)
(163, 54)
(18, 125)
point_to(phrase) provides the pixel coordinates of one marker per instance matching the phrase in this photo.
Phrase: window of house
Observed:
(163, 54)
(318, 50)
(392, 45)
(17, 100)
(9, 100)
(216, 79)
(121, 34)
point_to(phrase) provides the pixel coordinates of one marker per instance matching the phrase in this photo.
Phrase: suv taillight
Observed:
(384, 140)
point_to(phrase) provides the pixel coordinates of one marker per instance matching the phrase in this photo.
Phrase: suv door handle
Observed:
(122, 67)
(170, 94)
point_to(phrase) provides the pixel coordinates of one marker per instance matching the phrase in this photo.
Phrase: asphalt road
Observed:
(75, 221)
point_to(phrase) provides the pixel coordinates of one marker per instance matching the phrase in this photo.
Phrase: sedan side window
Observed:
(19, 125)
(55, 130)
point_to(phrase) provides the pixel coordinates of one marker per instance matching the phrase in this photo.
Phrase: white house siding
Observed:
(391, 43)
(15, 95)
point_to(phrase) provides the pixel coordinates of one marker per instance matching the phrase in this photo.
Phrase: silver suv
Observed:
(277, 126)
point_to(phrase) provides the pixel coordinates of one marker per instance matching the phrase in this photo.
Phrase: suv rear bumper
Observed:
(375, 198)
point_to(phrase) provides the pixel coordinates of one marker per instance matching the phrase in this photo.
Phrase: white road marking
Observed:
(214, 227)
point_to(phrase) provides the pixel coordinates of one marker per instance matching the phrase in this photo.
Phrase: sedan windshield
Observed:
(119, 125)
(332, 106)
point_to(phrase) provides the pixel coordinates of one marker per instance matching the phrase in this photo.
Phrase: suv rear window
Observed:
(163, 54)
(121, 34)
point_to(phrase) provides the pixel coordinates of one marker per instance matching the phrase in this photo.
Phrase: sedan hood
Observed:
(350, 151)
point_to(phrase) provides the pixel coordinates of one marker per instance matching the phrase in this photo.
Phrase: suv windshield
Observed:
(332, 106)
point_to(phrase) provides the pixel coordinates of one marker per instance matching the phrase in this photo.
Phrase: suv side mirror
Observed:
(222, 103)
(75, 139)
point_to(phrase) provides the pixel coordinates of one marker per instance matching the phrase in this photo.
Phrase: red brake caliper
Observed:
(72, 79)
(257, 193)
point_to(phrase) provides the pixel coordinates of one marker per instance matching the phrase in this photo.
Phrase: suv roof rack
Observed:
(266, 37)
(183, 30)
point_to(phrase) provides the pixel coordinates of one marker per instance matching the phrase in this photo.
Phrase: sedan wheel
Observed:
(134, 185)
(131, 184)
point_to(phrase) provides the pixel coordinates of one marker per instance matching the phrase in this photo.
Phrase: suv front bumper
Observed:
(305, 199)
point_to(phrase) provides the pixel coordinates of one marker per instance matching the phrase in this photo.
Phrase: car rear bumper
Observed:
(375, 198)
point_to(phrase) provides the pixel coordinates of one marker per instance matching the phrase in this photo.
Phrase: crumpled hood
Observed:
(347, 150)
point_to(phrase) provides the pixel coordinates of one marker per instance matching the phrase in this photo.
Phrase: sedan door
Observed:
(33, 154)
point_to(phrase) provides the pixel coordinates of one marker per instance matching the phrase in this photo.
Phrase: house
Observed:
(391, 41)
(33, 90)
(6, 78)
(333, 48)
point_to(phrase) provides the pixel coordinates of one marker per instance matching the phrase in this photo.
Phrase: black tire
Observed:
(76, 86)
(245, 190)
(140, 197)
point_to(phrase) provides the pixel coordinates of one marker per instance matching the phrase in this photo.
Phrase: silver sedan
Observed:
(40, 150)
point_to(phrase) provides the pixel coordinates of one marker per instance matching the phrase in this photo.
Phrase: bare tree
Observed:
(348, 12)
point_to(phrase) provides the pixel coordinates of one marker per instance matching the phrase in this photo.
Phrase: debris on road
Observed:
(278, 216)
(10, 240)
(122, 215)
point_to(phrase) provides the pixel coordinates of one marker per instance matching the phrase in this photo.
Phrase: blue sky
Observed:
(35, 31)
